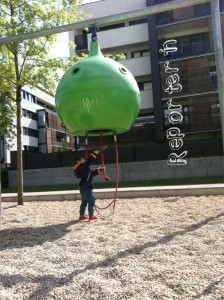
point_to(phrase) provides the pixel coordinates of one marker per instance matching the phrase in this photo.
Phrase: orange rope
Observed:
(117, 170)
(117, 177)
(102, 157)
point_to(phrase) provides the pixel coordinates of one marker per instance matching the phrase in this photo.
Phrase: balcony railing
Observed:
(139, 66)
(188, 50)
(196, 11)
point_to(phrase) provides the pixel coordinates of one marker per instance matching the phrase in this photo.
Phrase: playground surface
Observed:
(150, 248)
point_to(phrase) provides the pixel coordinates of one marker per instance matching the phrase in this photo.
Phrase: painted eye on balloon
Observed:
(75, 71)
(122, 70)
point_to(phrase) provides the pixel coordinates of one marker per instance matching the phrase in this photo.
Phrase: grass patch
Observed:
(103, 185)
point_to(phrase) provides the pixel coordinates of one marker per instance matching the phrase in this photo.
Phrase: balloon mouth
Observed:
(97, 132)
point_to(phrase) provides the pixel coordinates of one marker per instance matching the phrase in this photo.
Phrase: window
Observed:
(59, 138)
(81, 41)
(42, 136)
(202, 10)
(221, 5)
(140, 53)
(200, 113)
(63, 128)
(196, 11)
(109, 27)
(136, 22)
(25, 131)
(31, 148)
(43, 148)
(41, 118)
(30, 132)
(135, 54)
(162, 1)
(147, 86)
(197, 44)
(29, 114)
(196, 75)
(50, 108)
(164, 17)
(143, 121)
(183, 112)
(184, 45)
(143, 86)
(215, 108)
(29, 97)
(191, 45)
(213, 77)
(145, 53)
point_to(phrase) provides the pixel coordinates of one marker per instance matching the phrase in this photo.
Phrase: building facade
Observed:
(191, 67)
(42, 130)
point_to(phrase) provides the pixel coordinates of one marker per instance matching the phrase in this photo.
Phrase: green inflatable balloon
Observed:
(97, 94)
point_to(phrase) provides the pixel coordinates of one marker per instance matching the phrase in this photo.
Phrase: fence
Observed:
(132, 153)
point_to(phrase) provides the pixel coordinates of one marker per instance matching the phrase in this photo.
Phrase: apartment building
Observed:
(42, 130)
(142, 41)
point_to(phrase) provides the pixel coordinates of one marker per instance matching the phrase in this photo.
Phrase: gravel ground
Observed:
(151, 248)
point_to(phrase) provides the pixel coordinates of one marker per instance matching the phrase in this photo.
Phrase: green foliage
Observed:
(7, 110)
(64, 146)
(74, 59)
(118, 56)
(34, 67)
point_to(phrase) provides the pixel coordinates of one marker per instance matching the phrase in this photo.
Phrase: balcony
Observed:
(189, 46)
(188, 13)
(139, 66)
(30, 141)
(130, 35)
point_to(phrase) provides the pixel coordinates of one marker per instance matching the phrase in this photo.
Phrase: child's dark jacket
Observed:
(82, 171)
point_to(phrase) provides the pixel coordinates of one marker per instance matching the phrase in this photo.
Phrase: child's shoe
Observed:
(93, 218)
(83, 218)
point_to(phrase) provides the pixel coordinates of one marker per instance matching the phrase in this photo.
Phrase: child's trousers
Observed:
(87, 199)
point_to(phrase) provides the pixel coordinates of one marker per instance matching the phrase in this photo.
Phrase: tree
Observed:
(28, 62)
(7, 112)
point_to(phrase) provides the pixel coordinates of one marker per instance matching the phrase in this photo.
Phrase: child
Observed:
(82, 170)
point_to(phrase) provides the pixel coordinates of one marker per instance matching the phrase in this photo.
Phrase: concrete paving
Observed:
(131, 192)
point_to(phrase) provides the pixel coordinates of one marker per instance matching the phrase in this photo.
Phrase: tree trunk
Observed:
(19, 148)
(19, 132)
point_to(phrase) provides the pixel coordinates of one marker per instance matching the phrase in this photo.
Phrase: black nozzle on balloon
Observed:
(94, 29)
